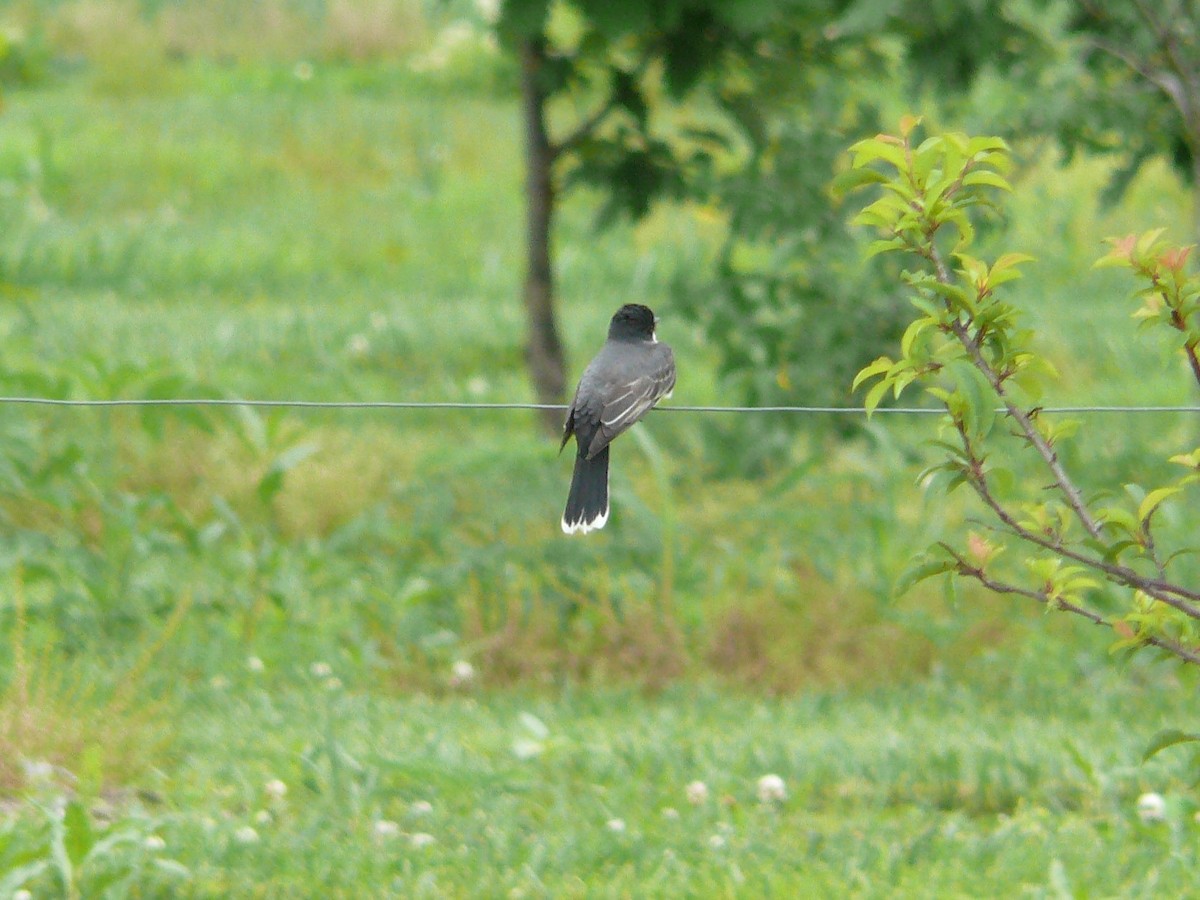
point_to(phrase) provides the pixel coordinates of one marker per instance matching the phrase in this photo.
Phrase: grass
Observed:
(578, 792)
(246, 227)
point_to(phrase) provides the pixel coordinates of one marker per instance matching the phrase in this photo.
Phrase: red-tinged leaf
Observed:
(908, 123)
(1191, 460)
(1123, 247)
(978, 547)
(1175, 258)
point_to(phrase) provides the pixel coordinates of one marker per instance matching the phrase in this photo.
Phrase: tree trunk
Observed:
(544, 351)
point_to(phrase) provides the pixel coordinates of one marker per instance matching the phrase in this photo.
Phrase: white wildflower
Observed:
(246, 835)
(1152, 807)
(154, 843)
(254, 664)
(617, 825)
(37, 770)
(263, 817)
(275, 789)
(716, 841)
(670, 812)
(421, 808)
(386, 828)
(462, 673)
(771, 789)
(358, 345)
(697, 792)
(320, 670)
(421, 839)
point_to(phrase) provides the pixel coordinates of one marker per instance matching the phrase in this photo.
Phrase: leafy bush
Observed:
(1114, 555)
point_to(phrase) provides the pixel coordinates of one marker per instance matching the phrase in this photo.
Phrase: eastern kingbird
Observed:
(631, 373)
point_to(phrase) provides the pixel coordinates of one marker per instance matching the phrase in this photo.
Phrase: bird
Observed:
(623, 382)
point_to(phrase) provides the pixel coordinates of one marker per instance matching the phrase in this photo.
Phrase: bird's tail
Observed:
(587, 503)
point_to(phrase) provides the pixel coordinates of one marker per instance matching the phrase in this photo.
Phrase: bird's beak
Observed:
(656, 321)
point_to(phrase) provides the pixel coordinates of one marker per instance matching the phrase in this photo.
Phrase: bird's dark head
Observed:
(633, 322)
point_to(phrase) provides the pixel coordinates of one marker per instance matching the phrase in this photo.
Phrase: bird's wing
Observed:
(568, 425)
(628, 402)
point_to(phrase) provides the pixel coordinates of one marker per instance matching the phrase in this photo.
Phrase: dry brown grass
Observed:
(823, 636)
(126, 52)
(361, 30)
(129, 48)
(350, 470)
(52, 711)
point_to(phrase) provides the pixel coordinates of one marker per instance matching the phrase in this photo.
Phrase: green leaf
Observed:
(877, 149)
(1119, 517)
(1008, 260)
(878, 367)
(1168, 737)
(79, 836)
(875, 395)
(887, 245)
(1152, 500)
(987, 177)
(853, 179)
(1191, 460)
(921, 568)
(1147, 241)
(953, 294)
(522, 18)
(979, 409)
(982, 144)
(966, 231)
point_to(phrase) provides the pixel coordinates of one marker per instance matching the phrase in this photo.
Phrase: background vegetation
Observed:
(273, 652)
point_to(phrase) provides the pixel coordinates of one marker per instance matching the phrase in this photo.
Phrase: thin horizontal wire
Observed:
(448, 404)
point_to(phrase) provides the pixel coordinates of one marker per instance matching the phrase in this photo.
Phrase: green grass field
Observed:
(234, 640)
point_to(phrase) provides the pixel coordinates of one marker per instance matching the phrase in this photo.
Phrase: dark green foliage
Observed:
(1113, 78)
(741, 108)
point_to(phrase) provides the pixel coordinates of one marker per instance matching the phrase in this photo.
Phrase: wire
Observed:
(446, 404)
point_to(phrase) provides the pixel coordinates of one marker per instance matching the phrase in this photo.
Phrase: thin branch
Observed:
(967, 570)
(1172, 595)
(1032, 435)
(1190, 349)
(1169, 84)
(585, 128)
(1168, 40)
